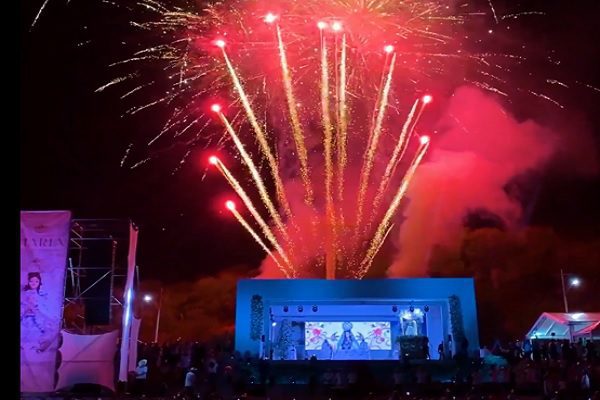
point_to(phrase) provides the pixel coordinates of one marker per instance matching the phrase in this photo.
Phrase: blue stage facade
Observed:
(296, 319)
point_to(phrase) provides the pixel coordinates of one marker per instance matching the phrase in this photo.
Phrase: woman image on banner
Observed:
(34, 314)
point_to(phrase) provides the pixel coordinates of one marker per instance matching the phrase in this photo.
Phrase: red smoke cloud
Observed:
(481, 150)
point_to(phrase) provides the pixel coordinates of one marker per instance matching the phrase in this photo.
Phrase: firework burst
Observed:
(325, 93)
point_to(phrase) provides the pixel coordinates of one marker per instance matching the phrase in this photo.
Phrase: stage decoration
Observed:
(412, 322)
(256, 317)
(285, 340)
(456, 322)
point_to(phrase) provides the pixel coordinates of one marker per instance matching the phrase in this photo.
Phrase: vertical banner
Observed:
(44, 245)
(127, 311)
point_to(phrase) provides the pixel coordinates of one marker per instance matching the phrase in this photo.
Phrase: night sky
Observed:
(72, 139)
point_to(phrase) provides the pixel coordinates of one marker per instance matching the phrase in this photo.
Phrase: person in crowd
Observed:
(141, 376)
(441, 354)
(189, 386)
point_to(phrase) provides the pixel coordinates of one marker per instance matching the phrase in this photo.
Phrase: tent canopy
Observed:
(557, 325)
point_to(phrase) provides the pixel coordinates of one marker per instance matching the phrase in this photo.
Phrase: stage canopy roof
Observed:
(582, 324)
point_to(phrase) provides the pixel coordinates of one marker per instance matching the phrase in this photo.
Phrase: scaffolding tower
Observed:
(96, 273)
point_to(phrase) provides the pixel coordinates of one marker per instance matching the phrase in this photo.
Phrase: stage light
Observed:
(147, 298)
(424, 139)
(215, 108)
(220, 43)
(321, 25)
(388, 49)
(274, 324)
(300, 308)
(270, 18)
(427, 99)
(213, 160)
(230, 205)
(315, 308)
(336, 26)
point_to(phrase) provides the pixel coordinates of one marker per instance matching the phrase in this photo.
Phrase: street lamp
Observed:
(149, 299)
(573, 282)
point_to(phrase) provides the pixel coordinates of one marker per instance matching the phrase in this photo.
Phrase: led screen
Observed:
(346, 335)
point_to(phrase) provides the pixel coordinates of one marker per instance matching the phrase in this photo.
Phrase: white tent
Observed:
(88, 359)
(565, 326)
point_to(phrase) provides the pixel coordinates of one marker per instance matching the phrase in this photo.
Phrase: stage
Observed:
(341, 320)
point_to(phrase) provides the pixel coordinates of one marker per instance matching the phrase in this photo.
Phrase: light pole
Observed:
(573, 282)
(148, 299)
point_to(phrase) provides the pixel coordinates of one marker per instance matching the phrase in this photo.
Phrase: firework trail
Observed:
(250, 206)
(260, 135)
(342, 157)
(258, 181)
(397, 155)
(328, 146)
(39, 13)
(231, 206)
(372, 145)
(294, 119)
(382, 229)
